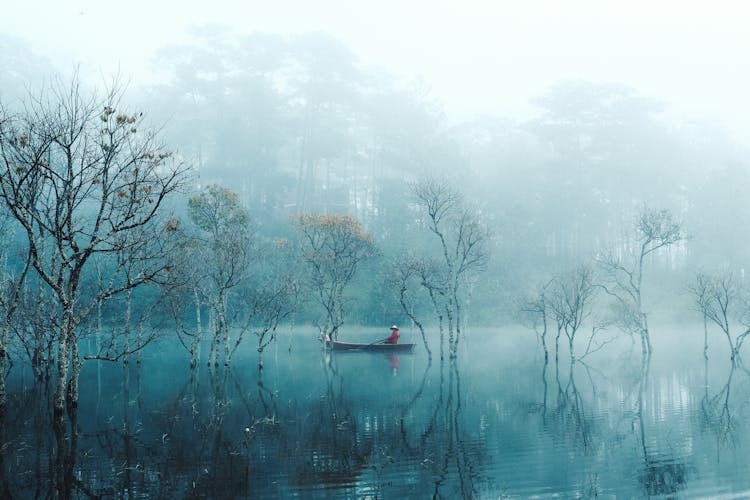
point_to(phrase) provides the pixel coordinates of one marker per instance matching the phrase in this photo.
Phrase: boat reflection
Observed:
(392, 358)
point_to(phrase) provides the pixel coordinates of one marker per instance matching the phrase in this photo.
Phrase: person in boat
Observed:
(393, 339)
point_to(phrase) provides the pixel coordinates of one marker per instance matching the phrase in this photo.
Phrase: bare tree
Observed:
(432, 279)
(720, 298)
(654, 230)
(568, 297)
(34, 326)
(333, 246)
(534, 310)
(131, 323)
(78, 173)
(271, 295)
(184, 293)
(462, 247)
(406, 276)
(11, 288)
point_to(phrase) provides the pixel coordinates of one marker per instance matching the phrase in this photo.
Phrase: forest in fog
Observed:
(272, 180)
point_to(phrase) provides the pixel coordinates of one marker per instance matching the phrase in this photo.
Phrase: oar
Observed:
(378, 341)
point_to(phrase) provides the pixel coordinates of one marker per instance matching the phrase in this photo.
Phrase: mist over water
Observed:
(548, 198)
(497, 422)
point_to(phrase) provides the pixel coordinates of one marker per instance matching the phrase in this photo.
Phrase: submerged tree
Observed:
(184, 284)
(35, 325)
(407, 276)
(569, 297)
(721, 300)
(11, 289)
(79, 173)
(224, 249)
(272, 295)
(132, 316)
(333, 246)
(654, 230)
(462, 250)
(534, 311)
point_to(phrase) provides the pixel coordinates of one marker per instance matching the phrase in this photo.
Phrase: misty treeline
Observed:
(275, 180)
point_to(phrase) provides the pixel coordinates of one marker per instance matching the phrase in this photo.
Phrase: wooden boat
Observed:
(335, 345)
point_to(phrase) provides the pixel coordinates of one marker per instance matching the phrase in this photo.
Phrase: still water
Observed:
(498, 422)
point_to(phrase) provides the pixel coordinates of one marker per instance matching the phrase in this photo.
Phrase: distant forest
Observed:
(273, 180)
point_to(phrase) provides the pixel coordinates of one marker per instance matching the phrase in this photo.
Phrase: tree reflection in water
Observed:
(662, 474)
(568, 420)
(461, 454)
(332, 455)
(717, 412)
(347, 426)
(569, 416)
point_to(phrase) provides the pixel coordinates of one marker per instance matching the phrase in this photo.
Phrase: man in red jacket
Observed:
(393, 339)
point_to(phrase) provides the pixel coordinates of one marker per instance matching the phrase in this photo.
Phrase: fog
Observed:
(478, 57)
(556, 124)
(205, 207)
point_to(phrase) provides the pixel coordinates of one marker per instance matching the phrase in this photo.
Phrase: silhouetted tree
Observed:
(534, 310)
(720, 298)
(272, 294)
(11, 289)
(462, 248)
(654, 230)
(225, 242)
(407, 277)
(79, 174)
(333, 246)
(569, 297)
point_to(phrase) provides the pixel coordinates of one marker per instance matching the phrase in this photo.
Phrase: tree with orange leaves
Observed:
(333, 246)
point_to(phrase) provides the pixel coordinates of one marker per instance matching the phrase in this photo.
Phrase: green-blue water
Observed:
(497, 422)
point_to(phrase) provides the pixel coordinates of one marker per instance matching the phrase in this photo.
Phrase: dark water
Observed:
(496, 423)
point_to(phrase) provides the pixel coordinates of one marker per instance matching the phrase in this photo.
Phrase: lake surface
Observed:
(496, 423)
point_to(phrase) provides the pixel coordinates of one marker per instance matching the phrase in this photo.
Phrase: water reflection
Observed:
(461, 453)
(663, 473)
(66, 441)
(718, 412)
(569, 417)
(319, 425)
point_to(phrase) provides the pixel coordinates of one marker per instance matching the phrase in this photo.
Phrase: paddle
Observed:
(378, 341)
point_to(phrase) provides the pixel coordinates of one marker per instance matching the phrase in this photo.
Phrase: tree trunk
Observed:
(451, 334)
(570, 347)
(410, 312)
(195, 348)
(213, 353)
(75, 372)
(63, 360)
(126, 326)
(732, 350)
(456, 304)
(139, 343)
(3, 357)
(224, 329)
(648, 349)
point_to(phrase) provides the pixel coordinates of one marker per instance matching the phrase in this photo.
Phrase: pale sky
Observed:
(477, 56)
